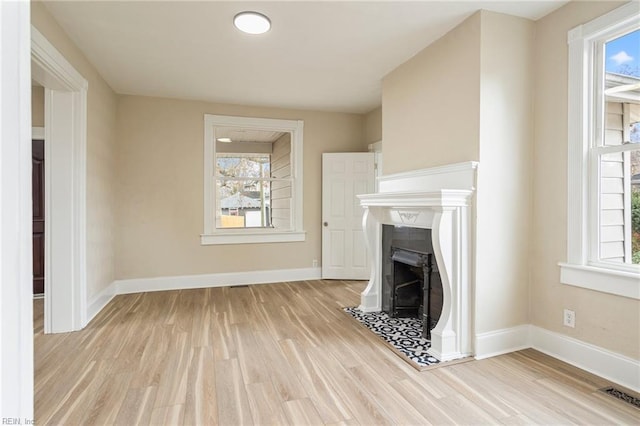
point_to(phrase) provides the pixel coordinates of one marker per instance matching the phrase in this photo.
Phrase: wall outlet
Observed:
(569, 318)
(315, 263)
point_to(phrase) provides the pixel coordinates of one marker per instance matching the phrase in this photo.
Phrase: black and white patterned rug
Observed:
(404, 334)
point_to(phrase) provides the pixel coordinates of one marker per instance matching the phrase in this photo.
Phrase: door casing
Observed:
(65, 301)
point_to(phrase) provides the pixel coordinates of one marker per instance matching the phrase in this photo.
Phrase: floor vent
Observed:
(617, 393)
(239, 286)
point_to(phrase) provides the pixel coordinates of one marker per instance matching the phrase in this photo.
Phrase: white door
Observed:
(345, 175)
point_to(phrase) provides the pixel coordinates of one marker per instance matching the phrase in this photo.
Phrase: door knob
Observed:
(326, 224)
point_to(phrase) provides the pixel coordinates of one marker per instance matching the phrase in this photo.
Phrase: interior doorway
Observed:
(64, 206)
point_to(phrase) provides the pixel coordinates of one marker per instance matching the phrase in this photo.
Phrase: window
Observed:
(603, 244)
(252, 180)
(243, 190)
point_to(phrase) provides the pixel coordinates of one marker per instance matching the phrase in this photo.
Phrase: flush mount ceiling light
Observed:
(224, 140)
(252, 22)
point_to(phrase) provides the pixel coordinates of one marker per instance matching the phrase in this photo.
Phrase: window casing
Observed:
(270, 229)
(591, 159)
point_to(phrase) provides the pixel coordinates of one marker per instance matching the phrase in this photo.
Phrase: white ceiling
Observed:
(323, 55)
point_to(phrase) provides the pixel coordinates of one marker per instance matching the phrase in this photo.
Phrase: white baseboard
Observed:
(602, 362)
(99, 301)
(503, 341)
(140, 285)
(612, 366)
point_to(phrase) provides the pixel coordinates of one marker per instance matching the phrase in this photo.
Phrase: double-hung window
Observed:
(252, 180)
(603, 240)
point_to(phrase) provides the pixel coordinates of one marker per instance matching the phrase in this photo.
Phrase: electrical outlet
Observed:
(315, 263)
(569, 318)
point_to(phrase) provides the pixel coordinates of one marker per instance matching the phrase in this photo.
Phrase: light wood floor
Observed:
(285, 354)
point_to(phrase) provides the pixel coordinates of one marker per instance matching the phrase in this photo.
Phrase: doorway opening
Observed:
(65, 242)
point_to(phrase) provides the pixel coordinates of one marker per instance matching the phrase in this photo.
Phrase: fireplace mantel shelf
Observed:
(439, 198)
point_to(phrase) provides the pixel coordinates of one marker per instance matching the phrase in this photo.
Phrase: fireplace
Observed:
(436, 201)
(411, 284)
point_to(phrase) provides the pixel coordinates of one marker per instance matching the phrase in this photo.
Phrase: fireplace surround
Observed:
(438, 199)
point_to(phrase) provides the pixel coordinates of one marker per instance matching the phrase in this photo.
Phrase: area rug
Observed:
(404, 335)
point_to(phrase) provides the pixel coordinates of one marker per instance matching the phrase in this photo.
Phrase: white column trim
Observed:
(16, 274)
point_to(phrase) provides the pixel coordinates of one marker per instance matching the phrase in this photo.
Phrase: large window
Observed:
(604, 154)
(616, 150)
(253, 180)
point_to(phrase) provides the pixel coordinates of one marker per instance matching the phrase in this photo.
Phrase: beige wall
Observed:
(160, 185)
(503, 200)
(101, 114)
(37, 106)
(372, 127)
(604, 320)
(431, 103)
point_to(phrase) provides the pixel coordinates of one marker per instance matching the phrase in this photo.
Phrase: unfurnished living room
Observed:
(320, 212)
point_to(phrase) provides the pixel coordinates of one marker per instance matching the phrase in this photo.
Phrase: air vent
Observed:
(617, 393)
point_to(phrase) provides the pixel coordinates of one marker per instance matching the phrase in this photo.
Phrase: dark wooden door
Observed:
(38, 215)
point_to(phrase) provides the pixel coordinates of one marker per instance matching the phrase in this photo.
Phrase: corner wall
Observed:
(503, 198)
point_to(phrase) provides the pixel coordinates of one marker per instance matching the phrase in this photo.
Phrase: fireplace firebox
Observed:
(412, 285)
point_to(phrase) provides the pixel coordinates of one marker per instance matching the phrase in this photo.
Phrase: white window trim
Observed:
(580, 270)
(211, 235)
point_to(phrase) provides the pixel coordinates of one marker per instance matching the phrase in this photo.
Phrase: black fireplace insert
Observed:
(412, 286)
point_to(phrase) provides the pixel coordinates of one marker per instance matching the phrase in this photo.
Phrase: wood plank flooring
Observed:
(285, 354)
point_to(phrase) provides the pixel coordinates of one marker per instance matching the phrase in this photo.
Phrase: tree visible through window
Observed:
(243, 186)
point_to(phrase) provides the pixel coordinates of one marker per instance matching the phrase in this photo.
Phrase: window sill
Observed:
(252, 237)
(626, 284)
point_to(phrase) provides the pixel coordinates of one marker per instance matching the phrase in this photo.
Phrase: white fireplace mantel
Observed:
(439, 199)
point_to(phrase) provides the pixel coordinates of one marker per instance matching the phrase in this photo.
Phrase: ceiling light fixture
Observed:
(252, 22)
(224, 140)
